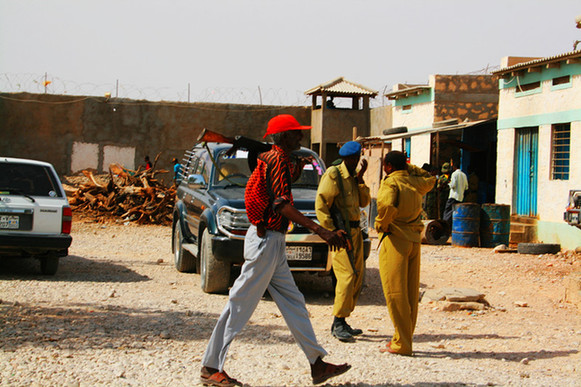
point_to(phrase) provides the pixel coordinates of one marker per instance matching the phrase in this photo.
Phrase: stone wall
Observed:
(78, 132)
(472, 97)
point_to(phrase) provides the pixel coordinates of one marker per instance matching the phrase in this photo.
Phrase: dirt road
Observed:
(118, 313)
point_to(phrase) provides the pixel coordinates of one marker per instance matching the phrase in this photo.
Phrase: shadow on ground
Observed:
(71, 268)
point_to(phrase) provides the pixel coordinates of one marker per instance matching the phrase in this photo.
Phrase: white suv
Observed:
(35, 217)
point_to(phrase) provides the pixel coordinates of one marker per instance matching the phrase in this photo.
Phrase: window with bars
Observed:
(560, 151)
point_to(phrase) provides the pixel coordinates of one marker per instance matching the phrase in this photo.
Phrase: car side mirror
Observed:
(196, 181)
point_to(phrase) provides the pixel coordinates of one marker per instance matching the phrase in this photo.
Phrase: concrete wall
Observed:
(336, 125)
(380, 119)
(421, 116)
(75, 133)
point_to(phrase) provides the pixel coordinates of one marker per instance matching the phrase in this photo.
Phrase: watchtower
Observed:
(333, 120)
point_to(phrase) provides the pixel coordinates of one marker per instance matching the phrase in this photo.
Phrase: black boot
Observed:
(353, 331)
(339, 330)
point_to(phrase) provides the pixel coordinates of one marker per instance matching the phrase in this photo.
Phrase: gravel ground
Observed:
(118, 313)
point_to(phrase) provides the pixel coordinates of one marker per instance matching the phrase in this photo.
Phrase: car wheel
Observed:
(538, 248)
(183, 259)
(215, 275)
(49, 264)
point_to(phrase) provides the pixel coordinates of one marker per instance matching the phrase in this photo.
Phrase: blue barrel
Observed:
(466, 225)
(494, 225)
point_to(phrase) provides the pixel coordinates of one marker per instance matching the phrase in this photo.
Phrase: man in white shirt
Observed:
(458, 185)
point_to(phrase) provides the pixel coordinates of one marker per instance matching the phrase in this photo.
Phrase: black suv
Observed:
(210, 222)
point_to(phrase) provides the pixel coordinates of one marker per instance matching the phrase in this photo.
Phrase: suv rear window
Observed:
(28, 179)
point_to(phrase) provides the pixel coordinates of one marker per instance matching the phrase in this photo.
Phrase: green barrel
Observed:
(466, 225)
(494, 225)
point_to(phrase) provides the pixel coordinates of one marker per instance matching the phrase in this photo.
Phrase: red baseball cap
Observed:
(283, 123)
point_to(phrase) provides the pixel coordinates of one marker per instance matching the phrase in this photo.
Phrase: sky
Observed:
(248, 51)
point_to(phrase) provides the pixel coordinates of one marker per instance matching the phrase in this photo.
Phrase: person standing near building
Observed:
(341, 193)
(458, 186)
(148, 164)
(398, 222)
(431, 198)
(443, 188)
(269, 205)
(177, 168)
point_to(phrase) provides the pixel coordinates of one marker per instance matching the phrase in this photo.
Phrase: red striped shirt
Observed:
(269, 187)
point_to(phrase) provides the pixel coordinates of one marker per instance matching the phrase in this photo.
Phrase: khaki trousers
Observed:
(399, 268)
(348, 285)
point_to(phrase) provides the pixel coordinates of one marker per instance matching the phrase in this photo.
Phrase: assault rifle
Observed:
(253, 147)
(341, 224)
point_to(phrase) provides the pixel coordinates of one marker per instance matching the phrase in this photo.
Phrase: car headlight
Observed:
(232, 221)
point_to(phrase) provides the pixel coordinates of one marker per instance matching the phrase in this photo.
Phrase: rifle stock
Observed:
(209, 136)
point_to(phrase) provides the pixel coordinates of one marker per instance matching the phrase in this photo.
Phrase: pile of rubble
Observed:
(122, 195)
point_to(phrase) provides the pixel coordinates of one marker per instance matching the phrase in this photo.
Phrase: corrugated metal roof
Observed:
(412, 90)
(341, 86)
(537, 62)
(389, 137)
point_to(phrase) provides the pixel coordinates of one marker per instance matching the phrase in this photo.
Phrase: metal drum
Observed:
(466, 225)
(494, 225)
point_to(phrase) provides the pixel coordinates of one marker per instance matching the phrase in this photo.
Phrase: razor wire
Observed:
(50, 84)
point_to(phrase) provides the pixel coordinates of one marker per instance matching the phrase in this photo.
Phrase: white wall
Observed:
(548, 101)
(505, 167)
(553, 194)
(124, 156)
(420, 149)
(421, 116)
(84, 156)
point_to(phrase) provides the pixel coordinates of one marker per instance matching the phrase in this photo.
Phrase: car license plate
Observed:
(10, 222)
(299, 253)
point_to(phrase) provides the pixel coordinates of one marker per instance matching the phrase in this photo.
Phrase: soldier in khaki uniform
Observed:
(353, 195)
(399, 205)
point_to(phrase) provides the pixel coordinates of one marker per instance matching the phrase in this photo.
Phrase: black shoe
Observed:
(340, 332)
(353, 331)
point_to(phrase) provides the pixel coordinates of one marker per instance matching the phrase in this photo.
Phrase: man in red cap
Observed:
(269, 205)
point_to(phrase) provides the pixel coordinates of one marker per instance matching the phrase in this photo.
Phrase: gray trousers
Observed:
(265, 267)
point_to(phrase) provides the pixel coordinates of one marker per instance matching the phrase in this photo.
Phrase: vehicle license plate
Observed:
(10, 222)
(299, 253)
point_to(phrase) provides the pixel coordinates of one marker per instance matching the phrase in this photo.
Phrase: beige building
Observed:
(539, 135)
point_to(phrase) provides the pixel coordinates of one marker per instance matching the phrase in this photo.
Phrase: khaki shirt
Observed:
(399, 202)
(356, 196)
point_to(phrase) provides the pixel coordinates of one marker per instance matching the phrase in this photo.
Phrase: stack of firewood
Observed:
(134, 196)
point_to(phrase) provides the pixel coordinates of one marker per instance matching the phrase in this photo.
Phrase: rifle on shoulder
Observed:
(253, 147)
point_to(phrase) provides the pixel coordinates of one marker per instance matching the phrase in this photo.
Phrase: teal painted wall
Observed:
(422, 98)
(545, 75)
(540, 119)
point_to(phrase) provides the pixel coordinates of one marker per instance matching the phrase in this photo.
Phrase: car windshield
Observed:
(27, 179)
(233, 170)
